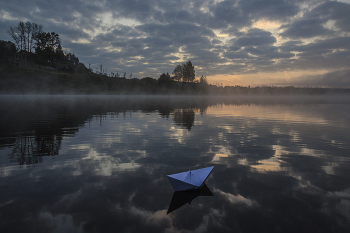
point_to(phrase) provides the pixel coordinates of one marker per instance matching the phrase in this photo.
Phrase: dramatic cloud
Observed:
(230, 37)
(256, 37)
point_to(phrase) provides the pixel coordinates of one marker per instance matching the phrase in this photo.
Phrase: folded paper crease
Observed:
(188, 180)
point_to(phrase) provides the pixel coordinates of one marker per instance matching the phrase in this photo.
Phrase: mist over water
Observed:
(99, 163)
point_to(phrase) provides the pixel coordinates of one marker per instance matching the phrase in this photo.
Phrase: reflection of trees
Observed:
(31, 146)
(43, 138)
(48, 139)
(184, 117)
(40, 131)
(165, 111)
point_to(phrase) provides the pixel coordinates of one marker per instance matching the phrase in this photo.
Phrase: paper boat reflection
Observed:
(181, 198)
(189, 180)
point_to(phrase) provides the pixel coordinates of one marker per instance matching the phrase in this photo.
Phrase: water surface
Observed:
(99, 163)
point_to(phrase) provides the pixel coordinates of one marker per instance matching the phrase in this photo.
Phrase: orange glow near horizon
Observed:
(225, 80)
(262, 79)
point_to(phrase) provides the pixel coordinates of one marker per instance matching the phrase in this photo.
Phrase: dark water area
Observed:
(100, 163)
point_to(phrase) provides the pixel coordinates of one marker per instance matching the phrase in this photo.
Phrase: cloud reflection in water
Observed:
(279, 166)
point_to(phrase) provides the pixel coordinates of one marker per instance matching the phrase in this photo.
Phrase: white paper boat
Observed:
(192, 179)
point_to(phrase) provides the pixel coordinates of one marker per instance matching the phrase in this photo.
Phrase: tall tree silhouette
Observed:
(178, 73)
(184, 72)
(188, 72)
(23, 35)
(47, 43)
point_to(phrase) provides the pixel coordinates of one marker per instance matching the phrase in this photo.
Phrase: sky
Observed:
(231, 42)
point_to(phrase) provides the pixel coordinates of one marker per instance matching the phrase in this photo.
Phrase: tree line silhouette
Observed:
(49, 70)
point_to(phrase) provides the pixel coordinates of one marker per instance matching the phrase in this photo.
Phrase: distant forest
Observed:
(34, 62)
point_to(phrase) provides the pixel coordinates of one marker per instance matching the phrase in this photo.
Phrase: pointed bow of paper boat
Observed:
(192, 179)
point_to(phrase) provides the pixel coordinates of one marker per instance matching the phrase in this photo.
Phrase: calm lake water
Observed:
(99, 163)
